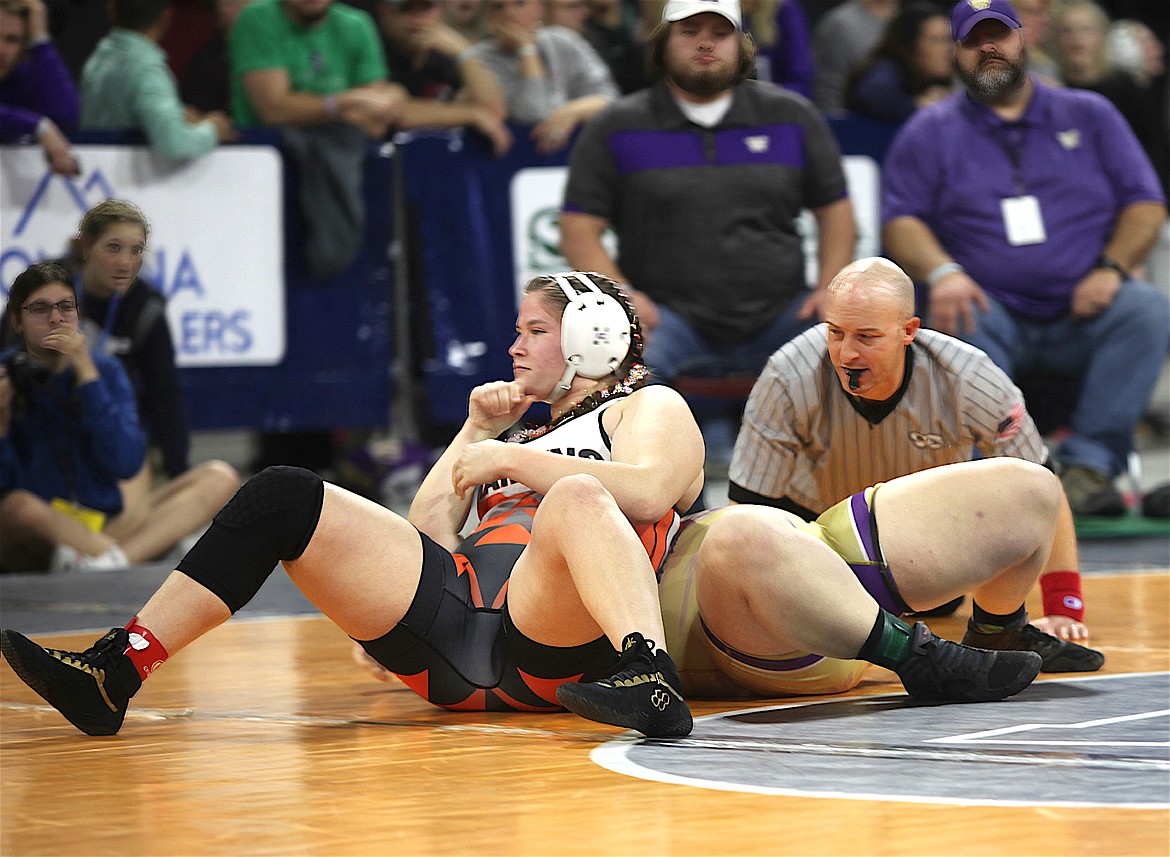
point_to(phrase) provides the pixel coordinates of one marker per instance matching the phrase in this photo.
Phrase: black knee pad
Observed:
(271, 518)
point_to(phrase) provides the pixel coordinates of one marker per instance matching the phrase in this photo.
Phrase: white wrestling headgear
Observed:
(595, 331)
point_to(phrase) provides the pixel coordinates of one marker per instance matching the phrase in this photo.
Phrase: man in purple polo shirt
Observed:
(1024, 209)
(702, 177)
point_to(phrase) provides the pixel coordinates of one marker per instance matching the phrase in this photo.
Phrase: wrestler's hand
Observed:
(1062, 627)
(493, 407)
(363, 660)
(479, 464)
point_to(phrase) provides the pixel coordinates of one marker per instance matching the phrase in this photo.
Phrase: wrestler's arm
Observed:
(657, 458)
(438, 508)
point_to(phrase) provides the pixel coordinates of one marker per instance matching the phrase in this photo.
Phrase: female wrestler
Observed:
(547, 588)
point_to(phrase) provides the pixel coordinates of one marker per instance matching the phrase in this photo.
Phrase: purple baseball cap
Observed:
(968, 13)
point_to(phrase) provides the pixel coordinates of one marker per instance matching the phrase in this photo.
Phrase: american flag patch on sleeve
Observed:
(1010, 426)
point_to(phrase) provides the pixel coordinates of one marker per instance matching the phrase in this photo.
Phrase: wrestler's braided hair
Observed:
(630, 374)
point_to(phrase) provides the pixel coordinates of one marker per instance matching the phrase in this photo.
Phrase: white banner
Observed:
(537, 194)
(216, 248)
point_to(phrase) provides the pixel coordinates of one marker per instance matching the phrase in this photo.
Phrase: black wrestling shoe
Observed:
(1059, 656)
(91, 688)
(940, 670)
(642, 693)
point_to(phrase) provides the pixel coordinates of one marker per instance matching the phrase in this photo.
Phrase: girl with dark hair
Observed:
(910, 67)
(69, 431)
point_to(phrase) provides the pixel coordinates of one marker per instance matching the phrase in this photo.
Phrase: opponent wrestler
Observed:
(749, 593)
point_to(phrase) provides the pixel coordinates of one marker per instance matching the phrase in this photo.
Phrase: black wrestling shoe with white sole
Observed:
(1059, 656)
(940, 670)
(91, 688)
(642, 693)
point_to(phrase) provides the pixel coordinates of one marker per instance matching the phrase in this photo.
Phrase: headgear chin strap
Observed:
(595, 332)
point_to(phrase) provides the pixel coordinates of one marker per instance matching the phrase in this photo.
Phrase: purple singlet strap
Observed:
(760, 663)
(860, 510)
(874, 581)
(874, 575)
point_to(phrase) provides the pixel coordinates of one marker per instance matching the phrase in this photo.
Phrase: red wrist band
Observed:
(1061, 591)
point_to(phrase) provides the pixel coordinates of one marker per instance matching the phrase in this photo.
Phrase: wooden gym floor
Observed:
(264, 738)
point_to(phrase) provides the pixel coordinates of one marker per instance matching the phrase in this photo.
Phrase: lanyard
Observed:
(1010, 138)
(111, 312)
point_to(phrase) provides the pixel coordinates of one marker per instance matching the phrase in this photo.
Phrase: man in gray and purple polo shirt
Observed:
(702, 177)
(1024, 208)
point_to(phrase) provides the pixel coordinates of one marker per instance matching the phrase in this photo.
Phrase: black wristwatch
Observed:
(1113, 265)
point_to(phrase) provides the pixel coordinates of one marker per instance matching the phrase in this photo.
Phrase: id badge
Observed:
(1022, 220)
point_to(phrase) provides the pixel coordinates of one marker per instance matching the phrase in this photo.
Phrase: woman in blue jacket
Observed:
(69, 431)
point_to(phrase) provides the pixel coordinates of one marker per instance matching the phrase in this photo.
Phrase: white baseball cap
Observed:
(677, 10)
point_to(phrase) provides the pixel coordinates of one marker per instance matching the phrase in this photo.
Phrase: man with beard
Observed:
(1025, 209)
(702, 176)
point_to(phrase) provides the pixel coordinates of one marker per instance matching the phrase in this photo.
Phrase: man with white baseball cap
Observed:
(702, 176)
(678, 10)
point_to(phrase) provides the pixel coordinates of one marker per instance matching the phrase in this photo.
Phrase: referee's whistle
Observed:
(854, 378)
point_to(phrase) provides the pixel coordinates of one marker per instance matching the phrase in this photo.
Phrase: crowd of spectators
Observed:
(556, 63)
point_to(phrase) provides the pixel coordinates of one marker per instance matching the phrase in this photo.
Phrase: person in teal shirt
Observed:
(126, 84)
(309, 62)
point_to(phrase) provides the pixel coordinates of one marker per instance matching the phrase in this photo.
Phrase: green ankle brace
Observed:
(889, 642)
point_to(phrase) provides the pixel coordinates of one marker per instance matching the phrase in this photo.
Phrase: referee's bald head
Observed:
(877, 278)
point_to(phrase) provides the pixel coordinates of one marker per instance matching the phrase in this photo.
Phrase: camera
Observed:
(25, 373)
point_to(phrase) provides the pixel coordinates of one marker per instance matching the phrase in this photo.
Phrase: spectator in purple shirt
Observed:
(38, 101)
(1025, 208)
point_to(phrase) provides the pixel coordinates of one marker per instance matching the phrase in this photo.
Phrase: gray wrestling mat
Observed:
(98, 601)
(1092, 741)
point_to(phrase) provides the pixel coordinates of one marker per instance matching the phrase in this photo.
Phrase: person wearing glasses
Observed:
(552, 78)
(69, 432)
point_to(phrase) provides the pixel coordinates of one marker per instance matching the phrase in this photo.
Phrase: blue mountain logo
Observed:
(92, 190)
